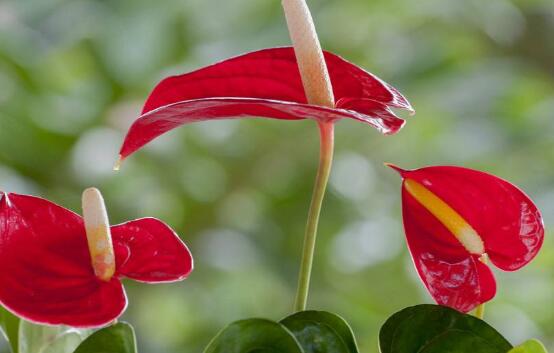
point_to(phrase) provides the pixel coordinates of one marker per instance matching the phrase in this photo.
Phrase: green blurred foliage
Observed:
(73, 75)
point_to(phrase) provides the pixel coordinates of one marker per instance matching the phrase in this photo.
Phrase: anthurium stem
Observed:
(324, 169)
(318, 90)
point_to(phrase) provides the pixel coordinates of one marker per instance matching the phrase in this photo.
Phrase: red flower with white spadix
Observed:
(57, 267)
(288, 83)
(455, 218)
(265, 83)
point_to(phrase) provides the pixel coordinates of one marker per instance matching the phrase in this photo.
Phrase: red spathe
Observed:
(47, 276)
(264, 83)
(508, 222)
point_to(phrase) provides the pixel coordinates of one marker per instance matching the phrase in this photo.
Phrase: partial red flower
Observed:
(47, 276)
(455, 218)
(264, 83)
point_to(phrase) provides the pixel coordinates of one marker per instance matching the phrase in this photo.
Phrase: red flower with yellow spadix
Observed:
(289, 83)
(60, 268)
(455, 218)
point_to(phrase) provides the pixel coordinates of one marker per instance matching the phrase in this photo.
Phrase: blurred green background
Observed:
(73, 75)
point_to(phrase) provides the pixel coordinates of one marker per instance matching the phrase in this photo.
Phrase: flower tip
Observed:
(395, 167)
(117, 164)
(94, 209)
(91, 192)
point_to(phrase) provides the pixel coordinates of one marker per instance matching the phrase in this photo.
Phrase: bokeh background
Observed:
(73, 75)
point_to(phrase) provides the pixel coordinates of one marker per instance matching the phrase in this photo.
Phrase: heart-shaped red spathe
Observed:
(507, 221)
(263, 83)
(46, 271)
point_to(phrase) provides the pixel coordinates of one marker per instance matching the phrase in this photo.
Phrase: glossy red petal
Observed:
(451, 274)
(271, 74)
(47, 276)
(265, 83)
(148, 250)
(508, 222)
(157, 122)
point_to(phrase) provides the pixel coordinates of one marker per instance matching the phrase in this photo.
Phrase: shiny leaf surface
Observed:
(254, 335)
(321, 332)
(435, 329)
(118, 338)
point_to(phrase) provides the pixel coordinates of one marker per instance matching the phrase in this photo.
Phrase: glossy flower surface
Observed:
(264, 83)
(47, 276)
(454, 219)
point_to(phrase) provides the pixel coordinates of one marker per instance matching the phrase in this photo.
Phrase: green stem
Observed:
(480, 310)
(323, 171)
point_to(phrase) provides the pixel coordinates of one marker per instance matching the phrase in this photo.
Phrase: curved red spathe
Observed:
(264, 83)
(47, 276)
(508, 223)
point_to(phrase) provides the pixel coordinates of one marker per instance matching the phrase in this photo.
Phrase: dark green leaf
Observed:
(321, 332)
(438, 329)
(254, 336)
(530, 346)
(9, 325)
(118, 338)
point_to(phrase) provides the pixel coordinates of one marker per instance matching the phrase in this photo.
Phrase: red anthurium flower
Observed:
(58, 268)
(265, 83)
(454, 218)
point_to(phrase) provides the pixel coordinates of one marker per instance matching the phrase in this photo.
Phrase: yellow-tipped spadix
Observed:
(98, 233)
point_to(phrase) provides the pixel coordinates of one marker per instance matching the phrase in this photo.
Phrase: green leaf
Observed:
(530, 346)
(65, 343)
(321, 332)
(438, 329)
(254, 336)
(9, 325)
(118, 338)
(34, 338)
